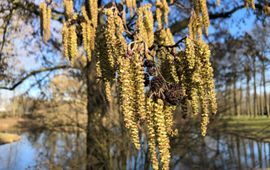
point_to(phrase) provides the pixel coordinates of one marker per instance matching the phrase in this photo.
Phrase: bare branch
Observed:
(178, 26)
(33, 73)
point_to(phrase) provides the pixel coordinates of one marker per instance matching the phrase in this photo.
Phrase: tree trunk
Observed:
(248, 96)
(95, 108)
(235, 97)
(254, 87)
(265, 108)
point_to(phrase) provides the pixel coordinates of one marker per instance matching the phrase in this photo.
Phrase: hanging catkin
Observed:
(45, 19)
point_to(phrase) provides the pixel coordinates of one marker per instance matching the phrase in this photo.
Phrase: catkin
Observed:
(125, 79)
(68, 4)
(168, 116)
(65, 39)
(94, 12)
(162, 137)
(218, 2)
(45, 19)
(205, 16)
(138, 79)
(149, 25)
(72, 44)
(151, 134)
(108, 91)
(140, 25)
(207, 73)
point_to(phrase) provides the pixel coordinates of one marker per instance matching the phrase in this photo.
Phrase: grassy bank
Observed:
(257, 128)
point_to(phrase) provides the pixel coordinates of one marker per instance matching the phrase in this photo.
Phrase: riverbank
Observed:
(51, 122)
(257, 128)
(10, 124)
(8, 138)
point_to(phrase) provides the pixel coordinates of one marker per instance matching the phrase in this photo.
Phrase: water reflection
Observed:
(67, 151)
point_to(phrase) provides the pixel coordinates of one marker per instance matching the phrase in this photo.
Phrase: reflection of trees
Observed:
(218, 152)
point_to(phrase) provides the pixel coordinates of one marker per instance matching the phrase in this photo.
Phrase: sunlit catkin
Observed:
(45, 19)
(166, 10)
(190, 53)
(149, 24)
(94, 12)
(140, 25)
(207, 73)
(162, 137)
(168, 116)
(68, 4)
(72, 44)
(65, 39)
(151, 134)
(110, 36)
(125, 79)
(87, 38)
(131, 5)
(159, 14)
(138, 79)
(108, 91)
(84, 13)
(218, 2)
(205, 16)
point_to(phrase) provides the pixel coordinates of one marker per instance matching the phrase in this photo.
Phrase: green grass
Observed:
(257, 128)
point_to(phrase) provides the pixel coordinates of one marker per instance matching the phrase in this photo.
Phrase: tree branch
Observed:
(33, 73)
(178, 26)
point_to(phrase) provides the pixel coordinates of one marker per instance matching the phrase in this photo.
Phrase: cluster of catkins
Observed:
(131, 57)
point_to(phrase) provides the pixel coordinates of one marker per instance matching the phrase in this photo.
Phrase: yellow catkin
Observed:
(138, 79)
(68, 4)
(48, 25)
(218, 2)
(167, 64)
(162, 137)
(110, 37)
(159, 14)
(84, 13)
(190, 53)
(87, 38)
(108, 91)
(151, 134)
(207, 73)
(204, 118)
(94, 12)
(45, 19)
(205, 17)
(149, 24)
(98, 70)
(194, 26)
(131, 5)
(125, 78)
(168, 116)
(140, 25)
(166, 10)
(72, 44)
(65, 39)
(252, 4)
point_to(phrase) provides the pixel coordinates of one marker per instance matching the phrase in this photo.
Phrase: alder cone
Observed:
(158, 85)
(174, 94)
(171, 93)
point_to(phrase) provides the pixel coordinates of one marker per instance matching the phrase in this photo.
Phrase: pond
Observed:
(67, 151)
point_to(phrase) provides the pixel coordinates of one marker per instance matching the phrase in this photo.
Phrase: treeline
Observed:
(241, 72)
